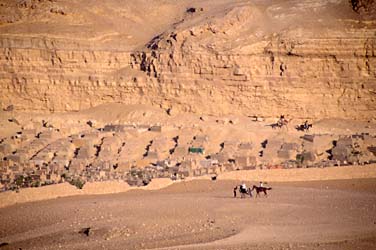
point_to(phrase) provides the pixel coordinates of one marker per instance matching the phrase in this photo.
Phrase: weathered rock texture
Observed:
(302, 58)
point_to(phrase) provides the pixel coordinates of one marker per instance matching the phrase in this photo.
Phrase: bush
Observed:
(20, 180)
(77, 182)
(36, 184)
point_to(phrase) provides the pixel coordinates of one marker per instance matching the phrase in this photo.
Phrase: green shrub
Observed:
(77, 182)
(35, 184)
(20, 180)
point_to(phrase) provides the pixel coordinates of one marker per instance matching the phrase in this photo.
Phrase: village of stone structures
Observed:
(49, 152)
(136, 124)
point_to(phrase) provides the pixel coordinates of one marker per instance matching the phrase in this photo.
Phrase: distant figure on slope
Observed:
(304, 127)
(282, 121)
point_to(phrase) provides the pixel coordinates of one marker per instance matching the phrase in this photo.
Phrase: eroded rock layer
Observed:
(307, 59)
(314, 77)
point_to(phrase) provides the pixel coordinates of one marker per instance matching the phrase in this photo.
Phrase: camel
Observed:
(280, 124)
(303, 127)
(261, 189)
(242, 191)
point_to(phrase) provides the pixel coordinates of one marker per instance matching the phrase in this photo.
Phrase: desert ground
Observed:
(115, 117)
(201, 214)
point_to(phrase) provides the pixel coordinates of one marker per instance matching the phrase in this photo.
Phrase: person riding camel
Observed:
(282, 121)
(243, 190)
(305, 125)
(243, 187)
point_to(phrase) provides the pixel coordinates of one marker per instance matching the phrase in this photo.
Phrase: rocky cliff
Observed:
(307, 59)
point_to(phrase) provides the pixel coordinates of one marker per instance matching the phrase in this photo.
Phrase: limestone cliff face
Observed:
(60, 80)
(293, 58)
(297, 72)
(310, 77)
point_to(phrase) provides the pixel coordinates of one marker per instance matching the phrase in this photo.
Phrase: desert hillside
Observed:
(308, 59)
(188, 124)
(138, 143)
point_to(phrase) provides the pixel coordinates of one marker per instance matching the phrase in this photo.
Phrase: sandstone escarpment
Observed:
(307, 59)
(299, 71)
(60, 80)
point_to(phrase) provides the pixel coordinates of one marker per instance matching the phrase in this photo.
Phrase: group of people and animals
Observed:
(304, 127)
(283, 122)
(243, 190)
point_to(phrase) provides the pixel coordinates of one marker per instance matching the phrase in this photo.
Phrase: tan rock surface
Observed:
(297, 57)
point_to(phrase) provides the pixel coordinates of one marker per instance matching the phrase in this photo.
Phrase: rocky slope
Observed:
(307, 59)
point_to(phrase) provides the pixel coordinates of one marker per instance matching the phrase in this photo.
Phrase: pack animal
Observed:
(280, 124)
(303, 127)
(243, 192)
(261, 190)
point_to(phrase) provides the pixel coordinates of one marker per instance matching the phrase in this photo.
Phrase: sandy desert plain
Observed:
(201, 214)
(127, 124)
